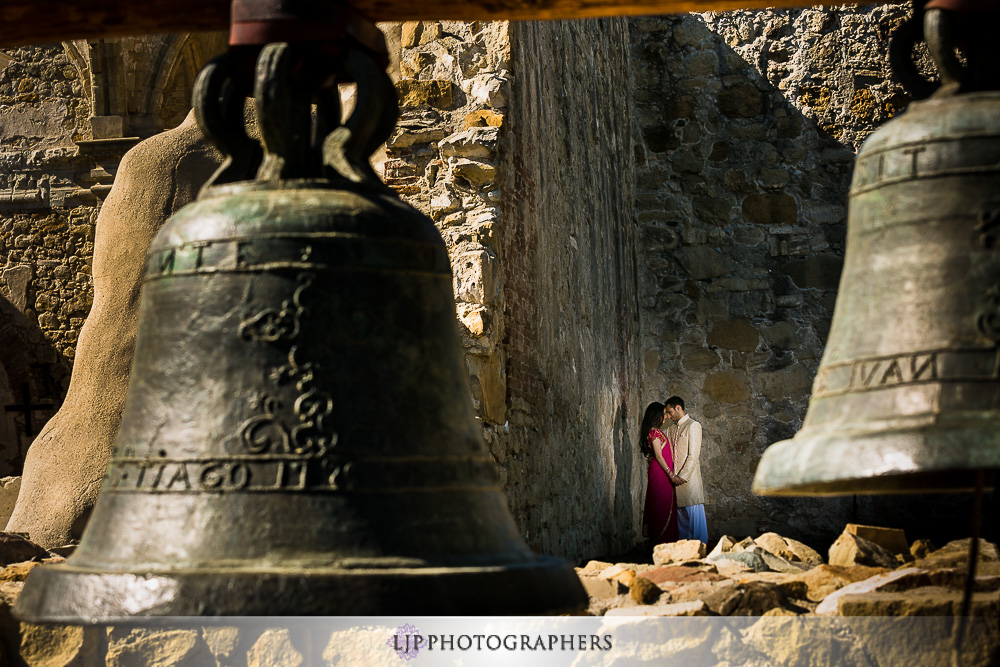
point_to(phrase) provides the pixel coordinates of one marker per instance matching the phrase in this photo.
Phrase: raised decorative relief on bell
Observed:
(298, 436)
(907, 397)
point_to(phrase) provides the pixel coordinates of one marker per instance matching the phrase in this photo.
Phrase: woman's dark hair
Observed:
(652, 419)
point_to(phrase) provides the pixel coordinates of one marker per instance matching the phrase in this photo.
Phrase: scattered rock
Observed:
(679, 575)
(602, 588)
(776, 563)
(956, 554)
(747, 559)
(803, 553)
(920, 548)
(723, 546)
(602, 606)
(890, 539)
(612, 571)
(9, 488)
(66, 550)
(831, 603)
(64, 645)
(722, 597)
(274, 649)
(16, 549)
(923, 601)
(681, 550)
(825, 579)
(775, 544)
(643, 591)
(731, 568)
(17, 571)
(758, 597)
(790, 584)
(149, 646)
(223, 642)
(790, 642)
(592, 568)
(851, 549)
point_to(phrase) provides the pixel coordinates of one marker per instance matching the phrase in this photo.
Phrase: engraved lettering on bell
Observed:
(334, 252)
(223, 476)
(950, 156)
(870, 374)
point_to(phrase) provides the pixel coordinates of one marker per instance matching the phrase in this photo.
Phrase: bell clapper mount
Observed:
(290, 64)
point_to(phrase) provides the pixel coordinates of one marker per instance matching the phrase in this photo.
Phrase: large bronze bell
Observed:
(299, 436)
(907, 396)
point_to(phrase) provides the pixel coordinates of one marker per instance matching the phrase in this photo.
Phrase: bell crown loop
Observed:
(287, 80)
(960, 36)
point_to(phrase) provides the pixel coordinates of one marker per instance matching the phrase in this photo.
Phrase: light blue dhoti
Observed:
(691, 523)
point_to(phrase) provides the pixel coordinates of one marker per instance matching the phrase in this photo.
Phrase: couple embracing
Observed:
(675, 496)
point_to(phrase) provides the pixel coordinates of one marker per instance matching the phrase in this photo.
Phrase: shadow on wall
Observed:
(624, 501)
(28, 396)
(747, 126)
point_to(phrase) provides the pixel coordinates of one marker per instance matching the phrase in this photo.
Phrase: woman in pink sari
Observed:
(659, 516)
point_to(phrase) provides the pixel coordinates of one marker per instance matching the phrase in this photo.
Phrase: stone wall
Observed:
(46, 236)
(568, 450)
(535, 206)
(68, 112)
(749, 123)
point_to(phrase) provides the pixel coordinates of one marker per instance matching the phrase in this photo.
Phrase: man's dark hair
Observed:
(675, 401)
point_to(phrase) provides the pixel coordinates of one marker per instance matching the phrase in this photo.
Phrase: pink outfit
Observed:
(659, 515)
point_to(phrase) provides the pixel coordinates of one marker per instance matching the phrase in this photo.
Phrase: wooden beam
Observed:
(47, 21)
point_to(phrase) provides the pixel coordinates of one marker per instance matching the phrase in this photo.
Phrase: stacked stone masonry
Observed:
(68, 112)
(634, 208)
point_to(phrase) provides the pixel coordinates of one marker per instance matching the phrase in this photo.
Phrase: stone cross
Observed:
(26, 409)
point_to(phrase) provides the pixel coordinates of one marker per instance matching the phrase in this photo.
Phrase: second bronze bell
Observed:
(907, 397)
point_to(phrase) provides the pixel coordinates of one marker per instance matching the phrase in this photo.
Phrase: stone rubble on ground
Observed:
(869, 571)
(771, 578)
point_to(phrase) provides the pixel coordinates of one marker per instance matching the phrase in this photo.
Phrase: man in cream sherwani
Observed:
(685, 445)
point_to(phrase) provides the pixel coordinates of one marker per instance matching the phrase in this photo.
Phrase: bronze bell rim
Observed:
(887, 462)
(82, 596)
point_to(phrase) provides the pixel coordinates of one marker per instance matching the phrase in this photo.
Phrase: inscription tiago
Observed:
(266, 253)
(226, 475)
(297, 474)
